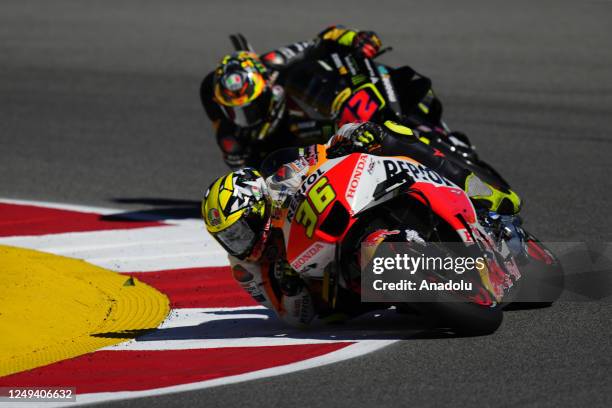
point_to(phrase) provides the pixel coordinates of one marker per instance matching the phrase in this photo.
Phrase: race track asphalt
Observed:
(99, 105)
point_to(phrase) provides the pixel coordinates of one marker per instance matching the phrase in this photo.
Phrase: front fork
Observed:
(505, 228)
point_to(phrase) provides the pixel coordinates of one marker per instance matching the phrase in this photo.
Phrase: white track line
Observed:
(183, 244)
(203, 328)
(61, 206)
(351, 351)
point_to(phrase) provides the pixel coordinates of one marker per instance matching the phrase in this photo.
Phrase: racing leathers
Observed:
(299, 113)
(267, 276)
(270, 281)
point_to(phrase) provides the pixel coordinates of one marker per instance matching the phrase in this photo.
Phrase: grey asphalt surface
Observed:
(99, 105)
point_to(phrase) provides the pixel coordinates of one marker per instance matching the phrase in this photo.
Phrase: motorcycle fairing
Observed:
(337, 190)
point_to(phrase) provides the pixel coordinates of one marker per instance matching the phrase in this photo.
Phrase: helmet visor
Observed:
(249, 114)
(238, 239)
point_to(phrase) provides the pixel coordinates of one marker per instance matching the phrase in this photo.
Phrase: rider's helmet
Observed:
(236, 211)
(240, 87)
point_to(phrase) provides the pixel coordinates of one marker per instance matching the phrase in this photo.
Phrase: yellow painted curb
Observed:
(53, 308)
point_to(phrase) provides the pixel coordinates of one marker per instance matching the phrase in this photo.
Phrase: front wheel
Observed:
(542, 280)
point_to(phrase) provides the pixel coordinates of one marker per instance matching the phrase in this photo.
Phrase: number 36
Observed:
(319, 197)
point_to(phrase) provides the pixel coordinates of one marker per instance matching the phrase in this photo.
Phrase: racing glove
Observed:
(355, 137)
(367, 44)
(236, 150)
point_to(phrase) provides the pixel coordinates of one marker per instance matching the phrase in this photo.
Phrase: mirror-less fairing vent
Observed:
(336, 221)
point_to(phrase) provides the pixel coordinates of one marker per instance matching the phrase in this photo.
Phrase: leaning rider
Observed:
(256, 104)
(237, 211)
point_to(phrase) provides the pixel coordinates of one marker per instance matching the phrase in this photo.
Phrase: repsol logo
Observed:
(356, 176)
(310, 180)
(297, 198)
(420, 173)
(293, 205)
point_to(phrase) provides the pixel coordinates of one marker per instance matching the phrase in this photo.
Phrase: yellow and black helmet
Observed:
(236, 211)
(241, 89)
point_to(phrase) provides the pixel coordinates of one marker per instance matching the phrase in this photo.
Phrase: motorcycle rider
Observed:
(251, 100)
(238, 211)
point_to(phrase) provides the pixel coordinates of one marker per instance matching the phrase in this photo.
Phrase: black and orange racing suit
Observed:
(292, 123)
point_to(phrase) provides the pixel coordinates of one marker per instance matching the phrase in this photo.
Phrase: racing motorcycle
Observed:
(343, 201)
(331, 90)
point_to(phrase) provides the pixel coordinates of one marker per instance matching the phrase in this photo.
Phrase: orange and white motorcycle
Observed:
(344, 203)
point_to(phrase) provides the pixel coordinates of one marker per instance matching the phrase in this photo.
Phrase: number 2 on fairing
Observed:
(320, 196)
(362, 105)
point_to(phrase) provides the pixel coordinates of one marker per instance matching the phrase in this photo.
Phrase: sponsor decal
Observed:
(307, 256)
(371, 167)
(214, 218)
(350, 63)
(310, 180)
(254, 291)
(373, 76)
(241, 274)
(371, 243)
(338, 62)
(386, 79)
(418, 172)
(357, 79)
(299, 196)
(293, 206)
(465, 236)
(356, 176)
(375, 238)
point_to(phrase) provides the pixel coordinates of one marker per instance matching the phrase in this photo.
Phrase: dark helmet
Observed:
(240, 87)
(236, 211)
